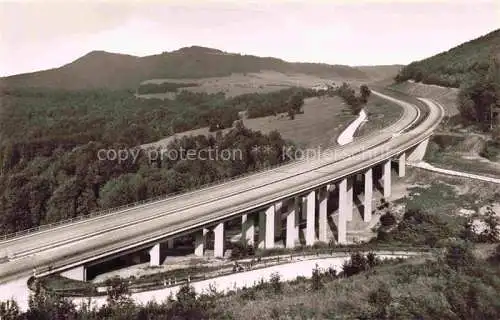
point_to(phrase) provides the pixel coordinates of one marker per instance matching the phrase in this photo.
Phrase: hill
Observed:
(381, 72)
(453, 67)
(100, 69)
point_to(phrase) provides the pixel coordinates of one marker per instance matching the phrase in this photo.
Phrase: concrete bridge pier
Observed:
(154, 255)
(267, 220)
(219, 239)
(348, 199)
(278, 225)
(200, 242)
(323, 194)
(248, 229)
(270, 218)
(402, 165)
(368, 195)
(292, 223)
(387, 178)
(262, 230)
(345, 210)
(311, 218)
(170, 243)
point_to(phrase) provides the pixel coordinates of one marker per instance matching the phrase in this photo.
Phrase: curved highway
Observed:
(87, 240)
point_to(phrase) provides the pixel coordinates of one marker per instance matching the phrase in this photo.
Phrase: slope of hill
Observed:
(100, 69)
(381, 72)
(95, 69)
(453, 67)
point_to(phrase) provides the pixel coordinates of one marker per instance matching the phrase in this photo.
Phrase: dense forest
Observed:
(147, 88)
(284, 101)
(457, 65)
(474, 67)
(50, 140)
(479, 98)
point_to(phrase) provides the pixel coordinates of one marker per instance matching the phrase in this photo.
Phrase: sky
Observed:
(37, 35)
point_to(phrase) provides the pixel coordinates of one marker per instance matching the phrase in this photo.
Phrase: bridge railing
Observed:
(137, 203)
(153, 199)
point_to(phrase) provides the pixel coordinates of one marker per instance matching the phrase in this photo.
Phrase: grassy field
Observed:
(434, 192)
(445, 96)
(242, 83)
(320, 124)
(462, 152)
(262, 82)
(381, 114)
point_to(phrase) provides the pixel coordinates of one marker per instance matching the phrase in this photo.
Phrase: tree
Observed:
(276, 282)
(468, 233)
(481, 95)
(46, 305)
(126, 189)
(357, 264)
(295, 103)
(186, 297)
(317, 282)
(9, 310)
(349, 96)
(118, 292)
(371, 259)
(364, 92)
(387, 220)
(380, 299)
(491, 232)
(459, 255)
(495, 257)
(187, 306)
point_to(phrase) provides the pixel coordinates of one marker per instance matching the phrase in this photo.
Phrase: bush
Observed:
(380, 299)
(276, 282)
(317, 283)
(459, 256)
(371, 259)
(422, 228)
(387, 220)
(242, 250)
(384, 236)
(491, 150)
(118, 292)
(357, 264)
(491, 233)
(495, 257)
(9, 310)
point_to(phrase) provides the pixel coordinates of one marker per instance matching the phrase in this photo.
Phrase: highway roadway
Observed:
(137, 227)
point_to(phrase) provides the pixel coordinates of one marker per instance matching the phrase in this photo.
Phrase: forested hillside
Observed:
(474, 67)
(100, 69)
(457, 65)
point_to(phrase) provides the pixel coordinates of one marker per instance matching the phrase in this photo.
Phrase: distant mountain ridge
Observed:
(100, 69)
(455, 66)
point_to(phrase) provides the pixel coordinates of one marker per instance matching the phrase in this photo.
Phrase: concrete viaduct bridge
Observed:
(279, 199)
